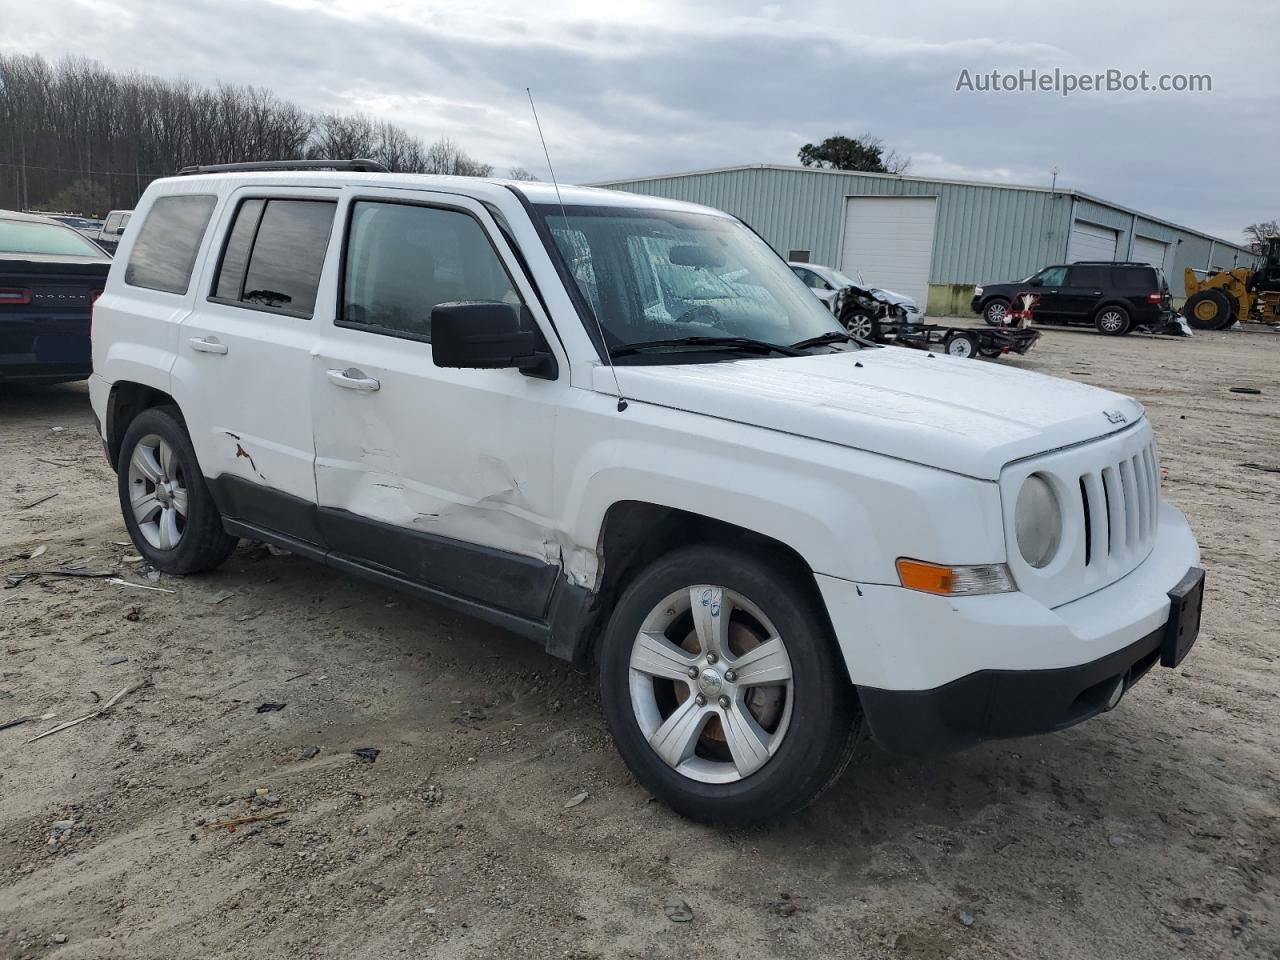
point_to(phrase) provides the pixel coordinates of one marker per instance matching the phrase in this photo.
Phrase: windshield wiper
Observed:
(745, 344)
(833, 336)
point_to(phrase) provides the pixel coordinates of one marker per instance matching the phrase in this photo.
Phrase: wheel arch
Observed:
(635, 533)
(127, 399)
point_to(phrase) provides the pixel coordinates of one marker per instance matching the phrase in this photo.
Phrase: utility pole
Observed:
(1054, 187)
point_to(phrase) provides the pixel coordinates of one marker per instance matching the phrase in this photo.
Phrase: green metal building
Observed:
(934, 239)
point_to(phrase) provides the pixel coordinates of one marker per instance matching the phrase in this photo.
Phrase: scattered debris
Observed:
(133, 559)
(17, 577)
(1262, 466)
(270, 707)
(297, 676)
(310, 752)
(431, 795)
(965, 918)
(576, 799)
(89, 716)
(219, 597)
(138, 586)
(249, 616)
(153, 574)
(249, 818)
(18, 721)
(677, 910)
(59, 938)
(36, 503)
(39, 551)
(115, 661)
(134, 614)
(1248, 390)
(367, 754)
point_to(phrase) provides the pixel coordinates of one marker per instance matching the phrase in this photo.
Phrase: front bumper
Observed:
(937, 673)
(976, 305)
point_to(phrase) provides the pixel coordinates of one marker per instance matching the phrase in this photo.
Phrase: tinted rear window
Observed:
(165, 250)
(46, 239)
(1087, 276)
(275, 253)
(1138, 279)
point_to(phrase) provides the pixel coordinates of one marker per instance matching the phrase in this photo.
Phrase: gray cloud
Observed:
(663, 87)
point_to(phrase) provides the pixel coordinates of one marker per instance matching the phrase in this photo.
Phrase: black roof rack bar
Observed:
(356, 166)
(1109, 263)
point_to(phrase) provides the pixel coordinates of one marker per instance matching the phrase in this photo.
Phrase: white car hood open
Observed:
(956, 414)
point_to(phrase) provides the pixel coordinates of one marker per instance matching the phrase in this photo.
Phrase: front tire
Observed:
(995, 312)
(861, 324)
(167, 507)
(722, 687)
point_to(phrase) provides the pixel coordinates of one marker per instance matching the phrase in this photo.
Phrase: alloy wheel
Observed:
(1111, 321)
(157, 492)
(711, 684)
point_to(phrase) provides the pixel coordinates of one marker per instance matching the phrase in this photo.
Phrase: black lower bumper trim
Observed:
(994, 704)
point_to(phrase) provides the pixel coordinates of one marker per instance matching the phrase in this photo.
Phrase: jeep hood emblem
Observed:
(1115, 416)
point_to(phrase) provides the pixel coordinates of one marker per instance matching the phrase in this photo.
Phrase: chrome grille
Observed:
(1119, 507)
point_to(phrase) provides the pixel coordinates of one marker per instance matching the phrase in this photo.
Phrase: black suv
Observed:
(1114, 297)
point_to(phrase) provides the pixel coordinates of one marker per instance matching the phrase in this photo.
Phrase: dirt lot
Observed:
(1149, 832)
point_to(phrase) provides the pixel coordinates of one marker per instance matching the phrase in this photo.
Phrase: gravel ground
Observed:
(1149, 832)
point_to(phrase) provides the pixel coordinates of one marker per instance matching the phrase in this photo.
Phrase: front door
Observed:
(442, 477)
(1084, 288)
(1049, 290)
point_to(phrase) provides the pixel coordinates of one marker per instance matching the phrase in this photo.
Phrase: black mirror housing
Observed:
(489, 336)
(1035, 282)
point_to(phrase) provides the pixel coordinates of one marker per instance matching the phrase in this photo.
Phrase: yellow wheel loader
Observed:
(1222, 298)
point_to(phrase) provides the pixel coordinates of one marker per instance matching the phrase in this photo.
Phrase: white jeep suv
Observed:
(622, 427)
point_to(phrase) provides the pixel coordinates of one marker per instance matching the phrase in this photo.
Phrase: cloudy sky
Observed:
(655, 87)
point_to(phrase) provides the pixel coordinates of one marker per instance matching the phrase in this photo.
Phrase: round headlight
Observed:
(1037, 521)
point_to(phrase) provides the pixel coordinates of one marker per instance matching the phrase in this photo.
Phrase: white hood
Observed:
(947, 412)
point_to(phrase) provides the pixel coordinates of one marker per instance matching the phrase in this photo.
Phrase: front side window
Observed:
(403, 259)
(274, 254)
(44, 239)
(659, 274)
(164, 252)
(1053, 277)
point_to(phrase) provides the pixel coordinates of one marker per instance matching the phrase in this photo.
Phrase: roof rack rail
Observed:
(355, 166)
(1109, 263)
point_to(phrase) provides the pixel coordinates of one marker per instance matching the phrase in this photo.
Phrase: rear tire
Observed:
(720, 764)
(1112, 321)
(1208, 310)
(167, 507)
(995, 311)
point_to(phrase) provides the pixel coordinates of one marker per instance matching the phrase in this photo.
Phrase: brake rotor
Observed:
(764, 703)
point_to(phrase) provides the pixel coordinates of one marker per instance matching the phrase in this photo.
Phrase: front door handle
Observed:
(207, 345)
(352, 379)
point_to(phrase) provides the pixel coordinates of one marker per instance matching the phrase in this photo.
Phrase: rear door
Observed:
(443, 477)
(244, 354)
(1085, 287)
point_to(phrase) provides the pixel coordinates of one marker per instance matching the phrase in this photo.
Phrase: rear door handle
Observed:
(207, 345)
(352, 379)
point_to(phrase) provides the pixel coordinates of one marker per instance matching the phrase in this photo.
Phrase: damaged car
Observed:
(863, 310)
(622, 427)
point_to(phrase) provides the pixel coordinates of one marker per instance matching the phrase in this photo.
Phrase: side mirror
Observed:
(489, 336)
(1035, 282)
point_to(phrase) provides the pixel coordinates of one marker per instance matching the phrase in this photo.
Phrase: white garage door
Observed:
(1091, 242)
(888, 241)
(1146, 250)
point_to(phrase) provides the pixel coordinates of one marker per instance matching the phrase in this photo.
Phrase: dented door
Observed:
(441, 476)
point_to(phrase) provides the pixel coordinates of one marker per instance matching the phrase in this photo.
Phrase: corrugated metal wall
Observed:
(982, 234)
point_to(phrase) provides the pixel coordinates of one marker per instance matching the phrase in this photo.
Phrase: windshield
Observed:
(659, 275)
(29, 236)
(841, 280)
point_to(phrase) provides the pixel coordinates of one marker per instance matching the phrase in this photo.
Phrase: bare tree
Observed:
(1257, 234)
(519, 173)
(74, 134)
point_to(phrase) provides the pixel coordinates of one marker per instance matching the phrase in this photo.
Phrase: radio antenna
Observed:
(622, 403)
